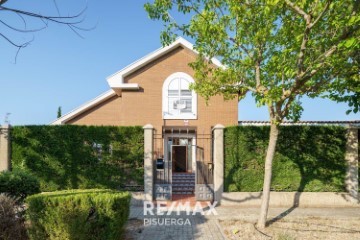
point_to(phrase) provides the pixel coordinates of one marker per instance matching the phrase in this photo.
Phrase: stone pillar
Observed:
(218, 162)
(148, 162)
(352, 159)
(5, 151)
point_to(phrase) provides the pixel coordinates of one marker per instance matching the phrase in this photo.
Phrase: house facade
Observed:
(155, 90)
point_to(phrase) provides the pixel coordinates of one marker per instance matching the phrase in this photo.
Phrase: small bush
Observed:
(11, 219)
(18, 184)
(78, 214)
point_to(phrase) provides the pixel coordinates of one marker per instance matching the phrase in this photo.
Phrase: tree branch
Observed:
(241, 47)
(297, 9)
(21, 30)
(320, 15)
(257, 74)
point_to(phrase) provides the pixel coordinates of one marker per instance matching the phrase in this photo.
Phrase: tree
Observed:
(59, 114)
(279, 50)
(71, 21)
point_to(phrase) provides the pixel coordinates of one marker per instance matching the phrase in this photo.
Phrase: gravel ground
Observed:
(288, 229)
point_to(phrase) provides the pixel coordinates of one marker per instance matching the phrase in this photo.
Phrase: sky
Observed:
(59, 68)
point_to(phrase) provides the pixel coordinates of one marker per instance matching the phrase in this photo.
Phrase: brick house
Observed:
(155, 90)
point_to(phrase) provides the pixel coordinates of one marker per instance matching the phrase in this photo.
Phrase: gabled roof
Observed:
(116, 81)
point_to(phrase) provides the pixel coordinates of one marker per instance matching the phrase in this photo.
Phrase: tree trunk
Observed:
(274, 132)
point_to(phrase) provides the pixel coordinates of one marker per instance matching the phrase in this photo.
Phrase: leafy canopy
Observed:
(279, 50)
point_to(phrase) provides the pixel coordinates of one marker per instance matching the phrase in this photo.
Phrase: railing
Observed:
(204, 159)
(204, 173)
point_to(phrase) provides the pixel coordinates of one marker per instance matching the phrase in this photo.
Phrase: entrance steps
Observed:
(183, 183)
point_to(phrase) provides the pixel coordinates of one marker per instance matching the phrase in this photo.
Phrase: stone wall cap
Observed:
(148, 126)
(219, 126)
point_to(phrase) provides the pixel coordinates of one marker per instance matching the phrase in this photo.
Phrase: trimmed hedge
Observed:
(18, 184)
(78, 214)
(80, 157)
(307, 159)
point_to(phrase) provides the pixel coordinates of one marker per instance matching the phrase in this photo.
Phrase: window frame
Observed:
(165, 98)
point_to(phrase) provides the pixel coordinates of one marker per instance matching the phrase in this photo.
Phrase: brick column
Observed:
(352, 159)
(5, 151)
(218, 162)
(148, 162)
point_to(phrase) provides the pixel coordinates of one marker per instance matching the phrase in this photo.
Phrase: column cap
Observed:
(148, 126)
(218, 126)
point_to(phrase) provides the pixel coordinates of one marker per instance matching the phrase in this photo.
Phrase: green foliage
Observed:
(71, 157)
(307, 159)
(78, 214)
(18, 184)
(11, 219)
(279, 50)
(59, 113)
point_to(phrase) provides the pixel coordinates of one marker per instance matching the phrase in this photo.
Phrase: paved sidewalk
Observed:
(206, 227)
(176, 227)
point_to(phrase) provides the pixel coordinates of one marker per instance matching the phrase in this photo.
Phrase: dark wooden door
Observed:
(179, 158)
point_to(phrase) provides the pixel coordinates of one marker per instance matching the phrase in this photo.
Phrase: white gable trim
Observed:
(118, 77)
(106, 95)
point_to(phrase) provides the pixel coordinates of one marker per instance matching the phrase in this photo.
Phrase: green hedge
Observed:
(307, 159)
(77, 214)
(18, 184)
(71, 157)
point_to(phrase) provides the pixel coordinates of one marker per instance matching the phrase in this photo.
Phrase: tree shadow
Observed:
(319, 153)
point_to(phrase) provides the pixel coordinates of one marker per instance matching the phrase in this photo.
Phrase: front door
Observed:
(179, 158)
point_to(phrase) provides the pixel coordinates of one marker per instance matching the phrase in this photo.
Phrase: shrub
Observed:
(11, 219)
(79, 157)
(78, 214)
(18, 184)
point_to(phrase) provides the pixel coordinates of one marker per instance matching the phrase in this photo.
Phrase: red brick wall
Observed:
(145, 106)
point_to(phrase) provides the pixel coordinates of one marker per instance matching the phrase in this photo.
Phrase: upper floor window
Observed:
(178, 101)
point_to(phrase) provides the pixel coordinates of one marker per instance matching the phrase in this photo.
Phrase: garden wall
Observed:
(79, 157)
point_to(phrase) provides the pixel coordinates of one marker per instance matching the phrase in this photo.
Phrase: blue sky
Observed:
(60, 69)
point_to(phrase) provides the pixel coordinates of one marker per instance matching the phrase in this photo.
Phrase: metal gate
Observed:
(204, 177)
(162, 171)
(204, 188)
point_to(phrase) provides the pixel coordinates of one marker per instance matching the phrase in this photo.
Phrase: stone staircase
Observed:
(183, 183)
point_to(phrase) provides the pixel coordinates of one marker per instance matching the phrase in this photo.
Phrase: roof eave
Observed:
(67, 117)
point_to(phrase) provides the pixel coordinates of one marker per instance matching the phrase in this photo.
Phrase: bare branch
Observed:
(72, 21)
(297, 9)
(320, 15)
(11, 42)
(57, 8)
(21, 30)
(23, 19)
(56, 19)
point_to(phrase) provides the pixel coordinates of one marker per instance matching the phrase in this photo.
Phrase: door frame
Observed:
(191, 136)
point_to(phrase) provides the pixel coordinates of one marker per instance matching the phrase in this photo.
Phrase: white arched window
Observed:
(178, 101)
